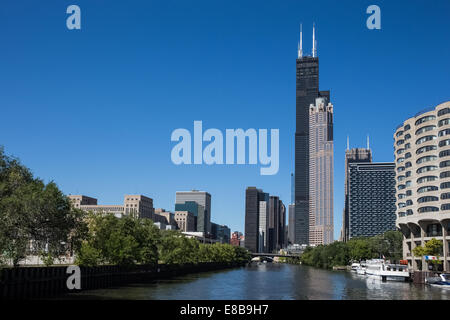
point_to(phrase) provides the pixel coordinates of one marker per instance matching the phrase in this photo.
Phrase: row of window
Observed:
(429, 118)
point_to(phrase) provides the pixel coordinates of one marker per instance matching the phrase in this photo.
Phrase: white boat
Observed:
(443, 281)
(378, 268)
(355, 267)
(361, 270)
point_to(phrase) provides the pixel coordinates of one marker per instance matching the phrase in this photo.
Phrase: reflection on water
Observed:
(270, 281)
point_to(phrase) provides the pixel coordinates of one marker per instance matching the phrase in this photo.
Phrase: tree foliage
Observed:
(337, 253)
(35, 218)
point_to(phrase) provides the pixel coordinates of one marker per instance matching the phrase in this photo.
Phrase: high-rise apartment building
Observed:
(371, 199)
(307, 90)
(202, 198)
(354, 155)
(321, 172)
(422, 160)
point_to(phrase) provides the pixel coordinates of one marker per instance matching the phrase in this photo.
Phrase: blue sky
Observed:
(93, 109)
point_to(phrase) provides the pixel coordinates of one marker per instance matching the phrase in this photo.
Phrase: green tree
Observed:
(122, 241)
(432, 247)
(35, 218)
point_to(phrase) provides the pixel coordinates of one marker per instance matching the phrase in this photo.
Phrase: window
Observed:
(399, 133)
(444, 174)
(427, 209)
(425, 119)
(408, 193)
(408, 164)
(426, 179)
(408, 174)
(400, 169)
(444, 143)
(401, 187)
(401, 196)
(400, 151)
(426, 148)
(409, 202)
(399, 142)
(427, 189)
(401, 204)
(444, 153)
(441, 123)
(408, 155)
(409, 212)
(407, 146)
(426, 159)
(401, 178)
(408, 184)
(400, 160)
(444, 164)
(427, 199)
(443, 111)
(425, 129)
(445, 185)
(444, 132)
(445, 196)
(426, 169)
(407, 127)
(424, 139)
(407, 136)
(445, 206)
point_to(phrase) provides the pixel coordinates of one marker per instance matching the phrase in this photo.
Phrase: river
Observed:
(269, 282)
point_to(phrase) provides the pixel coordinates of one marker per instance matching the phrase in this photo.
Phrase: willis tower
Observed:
(307, 90)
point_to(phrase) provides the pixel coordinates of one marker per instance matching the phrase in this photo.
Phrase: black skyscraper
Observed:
(307, 90)
(252, 198)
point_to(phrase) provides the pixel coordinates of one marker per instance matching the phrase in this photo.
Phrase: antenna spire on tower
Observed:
(368, 142)
(348, 143)
(314, 48)
(300, 46)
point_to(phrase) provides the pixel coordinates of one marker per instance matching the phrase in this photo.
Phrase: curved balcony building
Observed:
(422, 160)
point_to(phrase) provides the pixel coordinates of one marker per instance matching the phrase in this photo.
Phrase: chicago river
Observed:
(269, 281)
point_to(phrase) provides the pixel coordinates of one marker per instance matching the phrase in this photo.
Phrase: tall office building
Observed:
(371, 204)
(253, 197)
(307, 90)
(291, 224)
(200, 218)
(274, 217)
(422, 159)
(321, 172)
(282, 228)
(351, 156)
(263, 225)
(202, 198)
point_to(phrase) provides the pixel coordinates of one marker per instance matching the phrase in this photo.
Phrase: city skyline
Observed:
(108, 134)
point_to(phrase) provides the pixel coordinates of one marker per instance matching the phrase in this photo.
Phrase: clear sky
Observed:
(94, 109)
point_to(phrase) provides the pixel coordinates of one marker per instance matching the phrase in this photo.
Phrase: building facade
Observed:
(321, 172)
(422, 159)
(138, 206)
(202, 198)
(371, 199)
(253, 197)
(185, 221)
(199, 212)
(263, 225)
(363, 155)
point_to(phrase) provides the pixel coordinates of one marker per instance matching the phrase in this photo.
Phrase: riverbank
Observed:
(43, 282)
